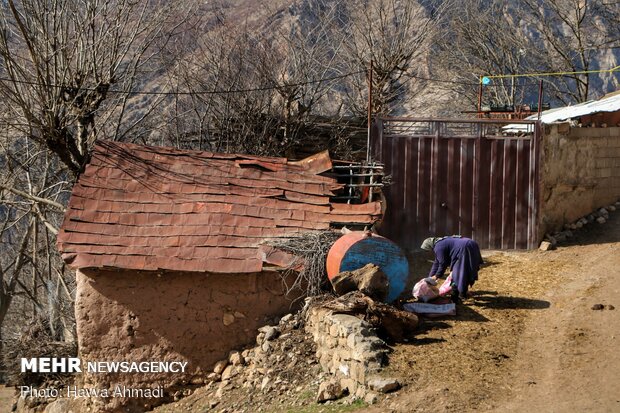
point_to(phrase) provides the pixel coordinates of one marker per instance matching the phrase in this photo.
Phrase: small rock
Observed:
(611, 307)
(603, 211)
(611, 208)
(266, 347)
(58, 406)
(228, 319)
(266, 381)
(271, 333)
(546, 246)
(329, 390)
(220, 366)
(219, 393)
(383, 385)
(578, 225)
(598, 307)
(229, 372)
(213, 403)
(236, 359)
(214, 376)
(601, 220)
(286, 318)
(197, 380)
(371, 398)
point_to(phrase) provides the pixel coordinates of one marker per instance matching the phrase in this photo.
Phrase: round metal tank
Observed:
(356, 249)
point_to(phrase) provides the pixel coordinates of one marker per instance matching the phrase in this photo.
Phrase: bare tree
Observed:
(569, 36)
(59, 60)
(31, 272)
(490, 37)
(396, 36)
(251, 90)
(471, 45)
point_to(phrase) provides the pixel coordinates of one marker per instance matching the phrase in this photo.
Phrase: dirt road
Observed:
(530, 340)
(568, 358)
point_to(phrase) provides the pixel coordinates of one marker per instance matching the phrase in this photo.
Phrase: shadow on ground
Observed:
(490, 299)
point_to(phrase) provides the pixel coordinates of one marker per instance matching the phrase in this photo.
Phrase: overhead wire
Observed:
(198, 92)
(314, 81)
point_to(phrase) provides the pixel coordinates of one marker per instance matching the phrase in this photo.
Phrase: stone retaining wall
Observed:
(347, 347)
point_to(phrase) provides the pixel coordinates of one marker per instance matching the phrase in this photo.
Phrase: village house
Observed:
(170, 256)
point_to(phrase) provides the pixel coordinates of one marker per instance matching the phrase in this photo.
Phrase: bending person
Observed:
(463, 257)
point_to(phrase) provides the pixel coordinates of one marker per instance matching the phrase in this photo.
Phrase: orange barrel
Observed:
(356, 249)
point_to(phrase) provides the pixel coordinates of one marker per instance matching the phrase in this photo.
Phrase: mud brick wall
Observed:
(347, 347)
(193, 317)
(580, 172)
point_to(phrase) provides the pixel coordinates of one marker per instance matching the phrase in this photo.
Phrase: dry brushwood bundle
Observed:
(36, 340)
(311, 250)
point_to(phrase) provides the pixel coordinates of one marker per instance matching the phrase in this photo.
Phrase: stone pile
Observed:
(599, 216)
(282, 361)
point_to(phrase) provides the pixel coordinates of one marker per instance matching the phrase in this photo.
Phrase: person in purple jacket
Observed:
(463, 257)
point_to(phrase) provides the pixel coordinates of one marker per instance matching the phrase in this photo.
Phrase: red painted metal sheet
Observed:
(315, 164)
(459, 177)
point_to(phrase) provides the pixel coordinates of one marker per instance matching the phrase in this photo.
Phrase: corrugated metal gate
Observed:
(476, 178)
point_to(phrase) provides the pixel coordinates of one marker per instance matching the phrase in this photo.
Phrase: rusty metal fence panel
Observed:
(477, 178)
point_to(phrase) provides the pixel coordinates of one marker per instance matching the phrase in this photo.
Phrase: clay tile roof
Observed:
(154, 208)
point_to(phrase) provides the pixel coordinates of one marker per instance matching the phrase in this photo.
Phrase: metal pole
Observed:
(480, 98)
(369, 77)
(540, 97)
(512, 96)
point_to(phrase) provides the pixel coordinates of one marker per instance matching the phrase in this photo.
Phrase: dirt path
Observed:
(529, 341)
(567, 358)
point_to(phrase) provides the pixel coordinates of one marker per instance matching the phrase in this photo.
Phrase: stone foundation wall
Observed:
(347, 347)
(580, 172)
(188, 317)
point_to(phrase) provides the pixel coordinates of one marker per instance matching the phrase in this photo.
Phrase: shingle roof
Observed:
(154, 208)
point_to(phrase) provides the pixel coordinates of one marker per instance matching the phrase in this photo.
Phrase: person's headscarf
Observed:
(429, 243)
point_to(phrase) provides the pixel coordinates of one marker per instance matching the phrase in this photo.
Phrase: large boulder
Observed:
(369, 279)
